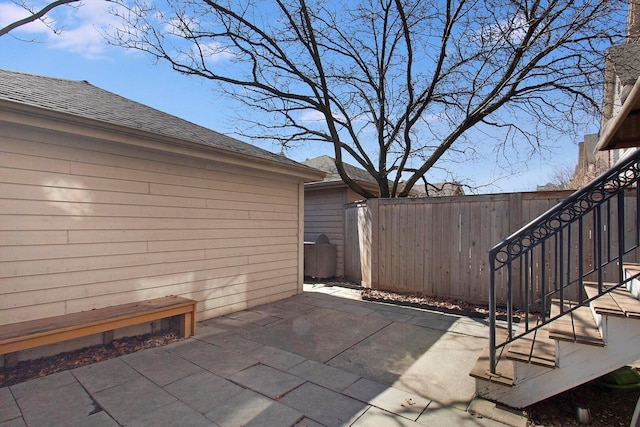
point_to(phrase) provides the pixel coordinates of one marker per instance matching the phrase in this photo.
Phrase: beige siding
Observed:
(87, 223)
(324, 213)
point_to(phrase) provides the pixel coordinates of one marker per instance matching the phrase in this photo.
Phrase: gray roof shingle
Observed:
(626, 61)
(80, 98)
(328, 164)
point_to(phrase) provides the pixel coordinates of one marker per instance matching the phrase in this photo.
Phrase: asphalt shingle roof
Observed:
(626, 61)
(82, 99)
(328, 164)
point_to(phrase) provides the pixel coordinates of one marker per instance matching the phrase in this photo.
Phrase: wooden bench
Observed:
(34, 333)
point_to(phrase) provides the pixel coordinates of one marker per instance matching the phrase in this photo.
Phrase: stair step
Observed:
(631, 266)
(632, 273)
(618, 302)
(577, 326)
(536, 347)
(504, 369)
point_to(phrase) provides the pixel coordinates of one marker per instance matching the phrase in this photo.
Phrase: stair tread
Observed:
(618, 302)
(504, 369)
(535, 347)
(577, 326)
(633, 266)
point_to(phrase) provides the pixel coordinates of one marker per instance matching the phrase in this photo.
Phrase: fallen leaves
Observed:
(36, 368)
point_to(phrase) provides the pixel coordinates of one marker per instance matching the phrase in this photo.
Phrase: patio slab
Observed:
(8, 407)
(174, 414)
(441, 373)
(276, 358)
(267, 380)
(71, 402)
(439, 415)
(103, 375)
(385, 355)
(324, 375)
(322, 358)
(315, 335)
(133, 399)
(376, 417)
(153, 362)
(50, 382)
(204, 391)
(399, 402)
(221, 361)
(325, 406)
(252, 409)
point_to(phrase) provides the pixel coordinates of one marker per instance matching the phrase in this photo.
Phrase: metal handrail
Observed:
(551, 257)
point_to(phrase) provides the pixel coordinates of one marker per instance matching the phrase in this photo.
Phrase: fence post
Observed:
(373, 206)
(364, 236)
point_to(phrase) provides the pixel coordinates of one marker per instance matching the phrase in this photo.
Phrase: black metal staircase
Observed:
(585, 238)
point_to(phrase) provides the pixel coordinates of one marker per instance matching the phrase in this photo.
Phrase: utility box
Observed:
(319, 257)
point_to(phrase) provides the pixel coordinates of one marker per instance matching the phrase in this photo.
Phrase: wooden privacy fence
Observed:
(440, 246)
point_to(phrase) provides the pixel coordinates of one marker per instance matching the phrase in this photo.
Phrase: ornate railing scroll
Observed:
(586, 237)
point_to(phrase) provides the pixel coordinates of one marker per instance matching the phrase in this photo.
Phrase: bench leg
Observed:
(185, 326)
(10, 360)
(184, 323)
(107, 337)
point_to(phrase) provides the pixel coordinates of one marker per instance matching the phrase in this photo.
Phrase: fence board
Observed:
(439, 246)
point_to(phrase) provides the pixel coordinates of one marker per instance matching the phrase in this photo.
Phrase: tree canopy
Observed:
(399, 86)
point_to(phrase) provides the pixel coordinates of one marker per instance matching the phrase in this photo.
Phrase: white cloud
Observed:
(513, 29)
(11, 12)
(312, 116)
(213, 52)
(317, 116)
(81, 25)
(84, 27)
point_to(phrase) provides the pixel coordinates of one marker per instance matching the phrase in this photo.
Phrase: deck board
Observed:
(535, 347)
(504, 370)
(576, 326)
(627, 303)
(618, 302)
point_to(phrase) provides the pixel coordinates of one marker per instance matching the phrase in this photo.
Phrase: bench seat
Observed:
(34, 333)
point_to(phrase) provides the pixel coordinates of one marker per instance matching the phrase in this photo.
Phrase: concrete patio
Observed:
(322, 358)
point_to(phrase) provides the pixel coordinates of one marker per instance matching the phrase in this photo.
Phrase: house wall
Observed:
(86, 223)
(324, 211)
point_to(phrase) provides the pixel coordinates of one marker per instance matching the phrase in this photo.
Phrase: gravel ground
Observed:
(608, 409)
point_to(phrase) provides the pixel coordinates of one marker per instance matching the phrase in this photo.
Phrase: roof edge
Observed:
(614, 124)
(70, 123)
(313, 185)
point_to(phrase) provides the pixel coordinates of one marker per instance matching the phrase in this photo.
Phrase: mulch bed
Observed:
(31, 369)
(608, 408)
(442, 304)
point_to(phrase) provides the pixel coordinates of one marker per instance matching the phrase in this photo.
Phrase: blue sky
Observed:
(81, 53)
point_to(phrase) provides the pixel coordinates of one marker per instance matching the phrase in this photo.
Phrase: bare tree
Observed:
(398, 85)
(35, 14)
(564, 178)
